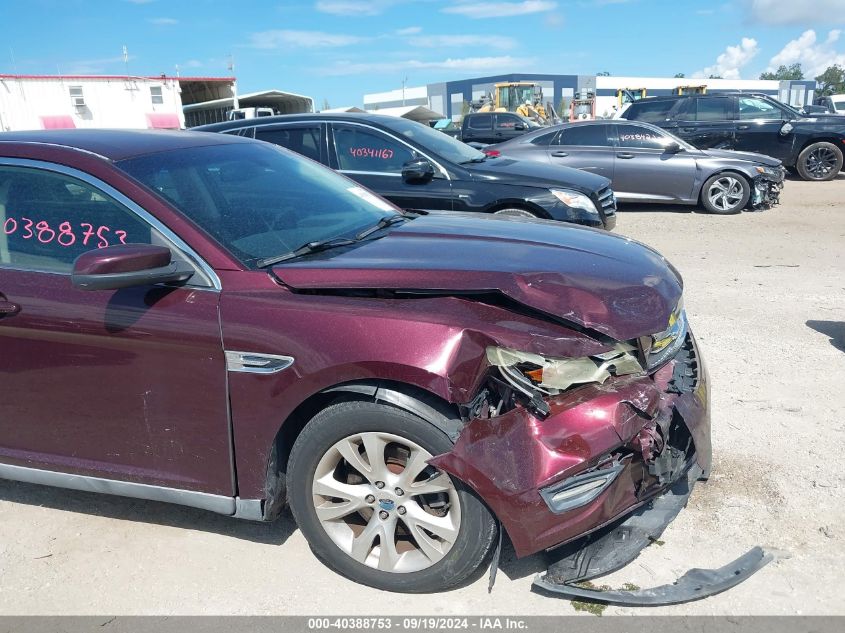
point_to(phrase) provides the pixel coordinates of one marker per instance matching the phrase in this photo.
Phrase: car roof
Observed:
(378, 119)
(118, 145)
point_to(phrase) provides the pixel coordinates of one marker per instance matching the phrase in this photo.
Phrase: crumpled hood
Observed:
(761, 159)
(595, 280)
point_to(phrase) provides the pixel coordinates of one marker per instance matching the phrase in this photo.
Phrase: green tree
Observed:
(603, 73)
(679, 75)
(326, 105)
(715, 77)
(832, 80)
(783, 72)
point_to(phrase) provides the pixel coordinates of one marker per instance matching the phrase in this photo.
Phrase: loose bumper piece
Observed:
(693, 585)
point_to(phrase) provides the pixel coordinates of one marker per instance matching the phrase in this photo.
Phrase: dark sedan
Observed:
(416, 167)
(217, 322)
(811, 145)
(647, 164)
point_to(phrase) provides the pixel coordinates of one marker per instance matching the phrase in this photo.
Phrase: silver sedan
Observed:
(648, 164)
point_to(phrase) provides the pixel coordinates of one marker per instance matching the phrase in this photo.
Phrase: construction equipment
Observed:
(629, 95)
(583, 106)
(691, 90)
(521, 97)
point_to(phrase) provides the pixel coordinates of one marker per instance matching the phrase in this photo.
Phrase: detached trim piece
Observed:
(693, 585)
(250, 362)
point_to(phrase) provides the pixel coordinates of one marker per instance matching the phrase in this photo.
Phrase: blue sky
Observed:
(337, 50)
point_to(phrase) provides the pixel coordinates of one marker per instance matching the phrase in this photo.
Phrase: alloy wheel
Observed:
(725, 193)
(383, 505)
(820, 162)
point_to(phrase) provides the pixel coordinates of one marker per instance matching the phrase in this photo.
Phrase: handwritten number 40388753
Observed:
(64, 234)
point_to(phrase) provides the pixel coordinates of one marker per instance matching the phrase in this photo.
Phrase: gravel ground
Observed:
(764, 292)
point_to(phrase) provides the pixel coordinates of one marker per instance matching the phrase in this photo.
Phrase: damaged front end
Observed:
(564, 449)
(766, 187)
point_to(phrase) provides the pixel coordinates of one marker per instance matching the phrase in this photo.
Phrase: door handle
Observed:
(7, 308)
(560, 154)
(744, 126)
(624, 155)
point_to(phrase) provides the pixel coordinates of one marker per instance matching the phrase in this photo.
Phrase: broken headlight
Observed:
(662, 346)
(531, 373)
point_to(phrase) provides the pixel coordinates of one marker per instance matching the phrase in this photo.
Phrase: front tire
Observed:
(725, 193)
(374, 511)
(819, 162)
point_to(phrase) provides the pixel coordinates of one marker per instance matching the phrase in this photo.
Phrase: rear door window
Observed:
(639, 137)
(302, 139)
(647, 110)
(589, 135)
(480, 122)
(712, 109)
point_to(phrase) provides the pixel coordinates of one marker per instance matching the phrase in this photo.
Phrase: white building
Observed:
(32, 102)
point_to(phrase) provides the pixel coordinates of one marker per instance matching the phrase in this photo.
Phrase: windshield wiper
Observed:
(480, 159)
(305, 249)
(386, 221)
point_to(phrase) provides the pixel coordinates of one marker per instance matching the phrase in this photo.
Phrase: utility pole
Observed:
(126, 59)
(235, 104)
(404, 81)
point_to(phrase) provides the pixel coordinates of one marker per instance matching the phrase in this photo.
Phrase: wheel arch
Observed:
(412, 398)
(519, 203)
(721, 172)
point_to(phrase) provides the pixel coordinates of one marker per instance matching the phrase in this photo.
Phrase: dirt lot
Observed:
(765, 293)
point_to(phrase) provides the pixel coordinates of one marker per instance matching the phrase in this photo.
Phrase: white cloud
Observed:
(456, 41)
(163, 21)
(482, 10)
(353, 8)
(729, 64)
(411, 30)
(279, 38)
(464, 65)
(814, 56)
(796, 11)
(193, 63)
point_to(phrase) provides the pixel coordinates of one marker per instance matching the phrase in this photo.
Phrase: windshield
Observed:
(839, 106)
(257, 200)
(436, 142)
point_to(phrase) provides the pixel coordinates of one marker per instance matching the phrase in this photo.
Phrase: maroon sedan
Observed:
(213, 321)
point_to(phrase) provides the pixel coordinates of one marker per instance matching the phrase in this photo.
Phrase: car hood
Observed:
(533, 174)
(727, 154)
(584, 277)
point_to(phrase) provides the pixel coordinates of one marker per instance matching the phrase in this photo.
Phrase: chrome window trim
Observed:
(189, 253)
(369, 173)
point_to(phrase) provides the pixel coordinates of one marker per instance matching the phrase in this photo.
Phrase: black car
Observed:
(494, 127)
(416, 167)
(813, 146)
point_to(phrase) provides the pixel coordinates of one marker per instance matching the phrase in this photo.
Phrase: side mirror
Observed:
(673, 148)
(417, 170)
(519, 126)
(786, 129)
(127, 265)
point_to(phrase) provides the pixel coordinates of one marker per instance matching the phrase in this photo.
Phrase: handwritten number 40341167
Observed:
(64, 234)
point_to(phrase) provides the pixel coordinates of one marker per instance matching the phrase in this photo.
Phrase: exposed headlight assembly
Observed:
(774, 172)
(531, 373)
(664, 345)
(574, 200)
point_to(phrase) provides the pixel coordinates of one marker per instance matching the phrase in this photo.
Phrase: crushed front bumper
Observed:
(651, 429)
(766, 189)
